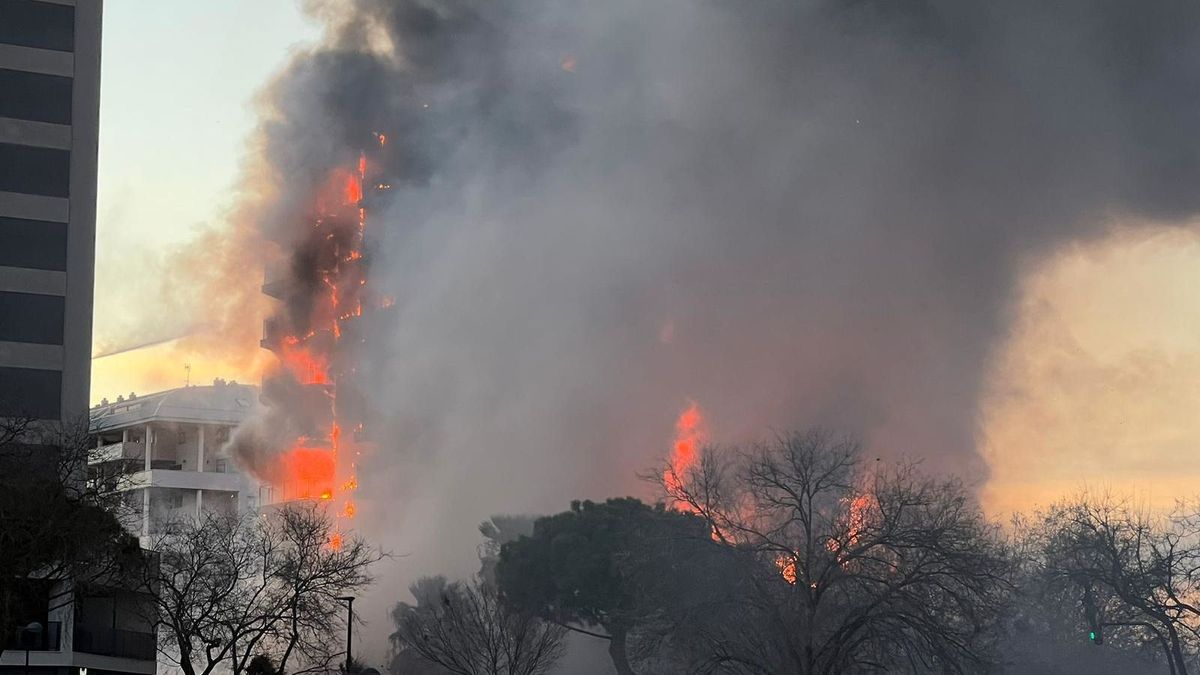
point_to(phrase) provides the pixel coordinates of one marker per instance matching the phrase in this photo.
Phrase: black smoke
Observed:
(793, 212)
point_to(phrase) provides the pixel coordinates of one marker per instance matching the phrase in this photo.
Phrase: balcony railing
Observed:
(114, 642)
(49, 639)
(117, 451)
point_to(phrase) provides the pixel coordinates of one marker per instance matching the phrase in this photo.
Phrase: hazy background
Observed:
(555, 318)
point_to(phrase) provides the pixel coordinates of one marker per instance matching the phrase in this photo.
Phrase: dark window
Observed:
(35, 171)
(35, 244)
(25, 317)
(43, 25)
(25, 391)
(34, 96)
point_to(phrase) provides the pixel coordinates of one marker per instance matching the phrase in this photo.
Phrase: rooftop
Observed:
(221, 403)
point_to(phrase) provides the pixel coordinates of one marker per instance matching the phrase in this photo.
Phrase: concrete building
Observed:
(49, 120)
(49, 129)
(171, 443)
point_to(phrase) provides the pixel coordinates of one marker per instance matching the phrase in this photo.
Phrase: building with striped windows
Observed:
(49, 123)
(49, 127)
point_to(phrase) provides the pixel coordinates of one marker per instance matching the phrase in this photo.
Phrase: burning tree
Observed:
(846, 569)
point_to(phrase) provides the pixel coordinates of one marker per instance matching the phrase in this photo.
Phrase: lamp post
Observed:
(349, 600)
(29, 634)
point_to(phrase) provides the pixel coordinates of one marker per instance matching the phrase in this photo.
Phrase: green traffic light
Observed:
(1092, 636)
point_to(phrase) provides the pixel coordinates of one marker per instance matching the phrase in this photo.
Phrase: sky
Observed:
(179, 84)
(1095, 385)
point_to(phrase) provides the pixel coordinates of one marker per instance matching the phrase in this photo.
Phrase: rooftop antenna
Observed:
(187, 368)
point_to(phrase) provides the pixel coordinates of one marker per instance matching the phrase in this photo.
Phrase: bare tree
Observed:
(55, 523)
(465, 629)
(1131, 575)
(845, 569)
(317, 566)
(227, 589)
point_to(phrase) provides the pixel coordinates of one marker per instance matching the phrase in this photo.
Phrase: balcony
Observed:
(126, 644)
(48, 640)
(164, 476)
(118, 451)
(276, 280)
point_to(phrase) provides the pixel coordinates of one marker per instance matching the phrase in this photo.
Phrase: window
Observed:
(35, 171)
(174, 500)
(35, 97)
(26, 391)
(221, 466)
(36, 244)
(43, 25)
(26, 317)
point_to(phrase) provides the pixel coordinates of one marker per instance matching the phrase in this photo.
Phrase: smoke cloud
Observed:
(791, 212)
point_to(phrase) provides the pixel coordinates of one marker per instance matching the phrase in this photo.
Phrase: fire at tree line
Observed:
(795, 555)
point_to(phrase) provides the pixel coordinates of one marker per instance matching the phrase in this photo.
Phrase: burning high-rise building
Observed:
(315, 411)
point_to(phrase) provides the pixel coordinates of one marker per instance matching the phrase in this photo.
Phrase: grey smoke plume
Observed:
(793, 212)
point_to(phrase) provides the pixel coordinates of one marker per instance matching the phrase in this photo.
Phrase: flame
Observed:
(858, 512)
(860, 507)
(691, 432)
(322, 468)
(308, 473)
(787, 568)
(353, 190)
(306, 366)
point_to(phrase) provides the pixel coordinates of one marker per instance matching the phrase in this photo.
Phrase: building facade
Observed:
(49, 130)
(49, 122)
(171, 445)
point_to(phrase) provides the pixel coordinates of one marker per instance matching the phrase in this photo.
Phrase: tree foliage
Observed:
(464, 628)
(608, 565)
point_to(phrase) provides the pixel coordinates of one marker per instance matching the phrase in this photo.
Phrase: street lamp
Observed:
(29, 636)
(349, 600)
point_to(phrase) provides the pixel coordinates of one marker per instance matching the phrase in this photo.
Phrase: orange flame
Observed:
(860, 507)
(317, 468)
(306, 366)
(858, 511)
(691, 433)
(308, 473)
(787, 568)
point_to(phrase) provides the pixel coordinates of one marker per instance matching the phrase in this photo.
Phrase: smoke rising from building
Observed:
(792, 213)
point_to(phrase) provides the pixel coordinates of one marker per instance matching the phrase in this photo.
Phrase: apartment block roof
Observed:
(221, 403)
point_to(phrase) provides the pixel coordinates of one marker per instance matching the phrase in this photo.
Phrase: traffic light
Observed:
(1093, 617)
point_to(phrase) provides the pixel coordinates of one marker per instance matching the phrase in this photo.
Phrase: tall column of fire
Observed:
(321, 284)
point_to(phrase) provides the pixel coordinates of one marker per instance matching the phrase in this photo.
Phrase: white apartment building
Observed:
(171, 443)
